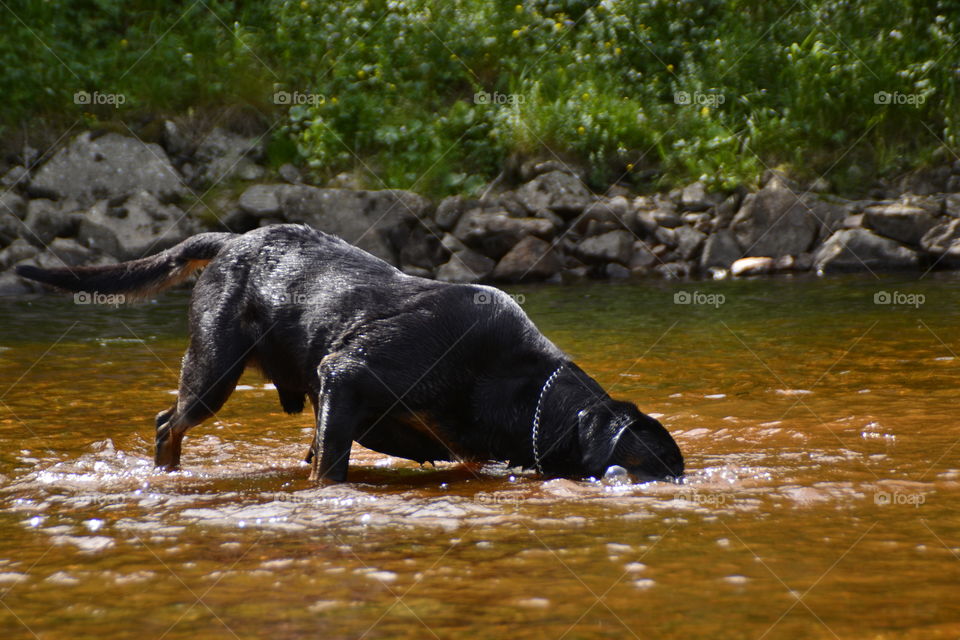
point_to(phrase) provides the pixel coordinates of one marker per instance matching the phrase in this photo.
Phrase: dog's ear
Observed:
(599, 436)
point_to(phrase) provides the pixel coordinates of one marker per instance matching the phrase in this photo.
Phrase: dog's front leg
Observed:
(337, 420)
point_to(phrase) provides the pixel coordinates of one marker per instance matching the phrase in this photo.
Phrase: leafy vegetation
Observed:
(435, 96)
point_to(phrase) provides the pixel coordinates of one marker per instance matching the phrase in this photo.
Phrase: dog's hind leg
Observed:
(337, 418)
(209, 375)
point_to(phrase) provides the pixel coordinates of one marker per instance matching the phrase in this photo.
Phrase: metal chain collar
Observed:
(535, 435)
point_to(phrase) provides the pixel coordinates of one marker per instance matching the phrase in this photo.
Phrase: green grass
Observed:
(392, 85)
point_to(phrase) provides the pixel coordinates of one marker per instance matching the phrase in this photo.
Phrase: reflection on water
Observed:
(819, 429)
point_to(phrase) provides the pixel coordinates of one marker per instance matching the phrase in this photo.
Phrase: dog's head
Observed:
(617, 433)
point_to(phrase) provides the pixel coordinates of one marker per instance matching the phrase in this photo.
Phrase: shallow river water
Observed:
(820, 427)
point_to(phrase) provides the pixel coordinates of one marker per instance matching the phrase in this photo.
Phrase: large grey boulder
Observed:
(898, 221)
(175, 141)
(18, 250)
(720, 250)
(290, 173)
(723, 213)
(466, 266)
(109, 166)
(557, 191)
(613, 246)
(777, 221)
(70, 252)
(667, 218)
(449, 211)
(694, 197)
(642, 257)
(674, 270)
(13, 285)
(261, 200)
(665, 236)
(689, 241)
(605, 214)
(47, 220)
(139, 226)
(10, 228)
(510, 202)
(379, 222)
(951, 205)
(13, 204)
(16, 178)
(643, 223)
(495, 233)
(700, 221)
(422, 250)
(859, 249)
(531, 259)
(534, 167)
(222, 155)
(943, 242)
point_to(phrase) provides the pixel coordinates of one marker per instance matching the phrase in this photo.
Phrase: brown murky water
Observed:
(820, 430)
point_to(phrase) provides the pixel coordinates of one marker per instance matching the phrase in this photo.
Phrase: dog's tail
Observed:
(137, 277)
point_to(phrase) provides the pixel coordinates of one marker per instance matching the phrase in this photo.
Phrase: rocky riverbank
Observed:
(103, 198)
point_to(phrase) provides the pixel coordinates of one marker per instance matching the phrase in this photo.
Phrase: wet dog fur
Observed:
(403, 365)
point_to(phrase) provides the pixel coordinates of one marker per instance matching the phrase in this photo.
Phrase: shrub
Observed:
(435, 96)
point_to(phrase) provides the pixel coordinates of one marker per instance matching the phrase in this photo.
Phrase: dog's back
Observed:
(432, 361)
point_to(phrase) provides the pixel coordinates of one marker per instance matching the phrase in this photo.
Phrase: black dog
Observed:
(403, 365)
